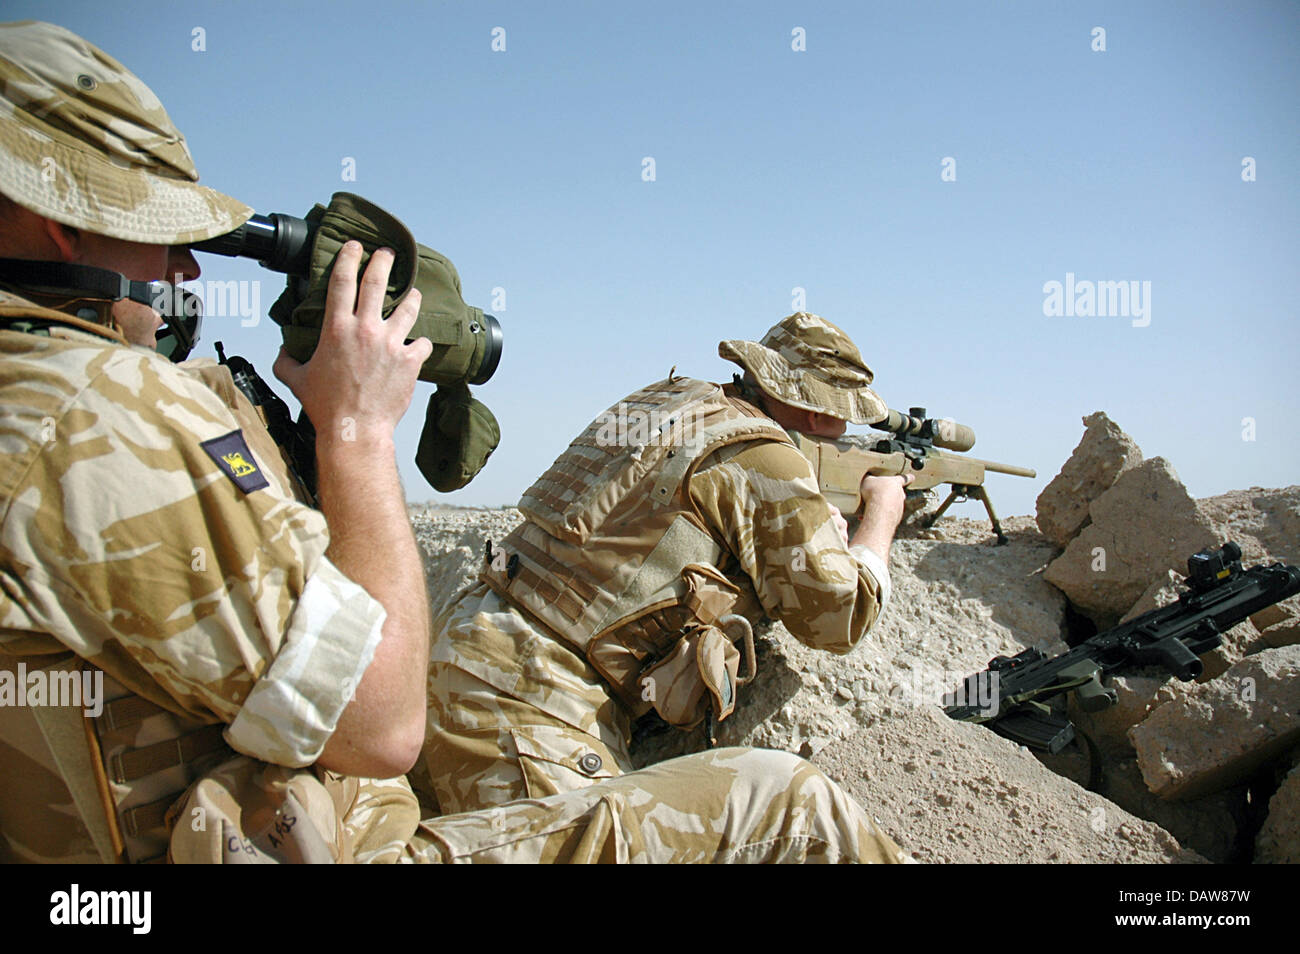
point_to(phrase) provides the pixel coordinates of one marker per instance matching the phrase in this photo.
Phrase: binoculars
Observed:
(459, 431)
(467, 343)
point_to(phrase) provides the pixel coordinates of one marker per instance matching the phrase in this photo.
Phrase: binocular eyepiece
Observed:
(279, 242)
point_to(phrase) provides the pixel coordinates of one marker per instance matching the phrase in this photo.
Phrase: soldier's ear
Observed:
(65, 238)
(824, 420)
(827, 425)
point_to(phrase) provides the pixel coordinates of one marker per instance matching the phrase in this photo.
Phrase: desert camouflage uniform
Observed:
(109, 499)
(127, 542)
(724, 806)
(516, 710)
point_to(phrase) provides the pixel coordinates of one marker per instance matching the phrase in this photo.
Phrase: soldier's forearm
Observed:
(875, 531)
(381, 731)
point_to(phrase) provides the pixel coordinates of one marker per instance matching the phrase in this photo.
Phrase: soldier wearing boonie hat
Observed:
(152, 535)
(808, 363)
(153, 551)
(85, 143)
(679, 517)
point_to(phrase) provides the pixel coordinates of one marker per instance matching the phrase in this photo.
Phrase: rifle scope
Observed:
(1206, 568)
(941, 432)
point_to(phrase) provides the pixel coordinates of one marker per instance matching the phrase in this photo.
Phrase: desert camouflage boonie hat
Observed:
(806, 362)
(84, 142)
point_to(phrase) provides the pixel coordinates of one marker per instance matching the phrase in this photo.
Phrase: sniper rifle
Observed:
(914, 448)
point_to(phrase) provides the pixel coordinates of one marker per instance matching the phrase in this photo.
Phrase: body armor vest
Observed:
(613, 558)
(127, 766)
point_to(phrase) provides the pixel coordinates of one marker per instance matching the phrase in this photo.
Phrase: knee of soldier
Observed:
(783, 778)
(763, 760)
(771, 769)
(810, 798)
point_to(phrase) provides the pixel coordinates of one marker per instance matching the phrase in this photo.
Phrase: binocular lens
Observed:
(491, 351)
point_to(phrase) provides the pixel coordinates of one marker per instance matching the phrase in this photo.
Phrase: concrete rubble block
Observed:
(1213, 735)
(1286, 611)
(1144, 525)
(1164, 589)
(1278, 841)
(1283, 634)
(1279, 624)
(1207, 825)
(1264, 522)
(1238, 643)
(1103, 454)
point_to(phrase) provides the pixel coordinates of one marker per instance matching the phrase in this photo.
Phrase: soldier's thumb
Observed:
(287, 369)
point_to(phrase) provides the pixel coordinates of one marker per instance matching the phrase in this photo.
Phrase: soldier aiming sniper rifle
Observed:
(1220, 595)
(841, 464)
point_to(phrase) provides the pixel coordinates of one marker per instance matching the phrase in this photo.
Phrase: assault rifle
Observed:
(840, 465)
(1220, 595)
(297, 440)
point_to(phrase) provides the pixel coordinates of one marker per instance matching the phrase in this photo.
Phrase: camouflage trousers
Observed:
(724, 806)
(558, 738)
(485, 748)
(513, 711)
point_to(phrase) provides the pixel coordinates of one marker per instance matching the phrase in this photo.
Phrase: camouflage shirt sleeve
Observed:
(187, 572)
(761, 500)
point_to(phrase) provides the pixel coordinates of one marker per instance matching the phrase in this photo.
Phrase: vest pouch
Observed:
(709, 594)
(702, 670)
(145, 757)
(459, 435)
(706, 661)
(251, 812)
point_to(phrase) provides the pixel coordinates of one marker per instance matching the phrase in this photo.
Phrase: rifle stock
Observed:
(840, 466)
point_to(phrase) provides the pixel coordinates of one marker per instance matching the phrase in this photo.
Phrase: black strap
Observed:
(79, 280)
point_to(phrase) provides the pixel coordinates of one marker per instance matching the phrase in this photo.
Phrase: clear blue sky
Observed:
(778, 169)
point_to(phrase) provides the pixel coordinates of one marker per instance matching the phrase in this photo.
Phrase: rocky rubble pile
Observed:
(1188, 771)
(1205, 759)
